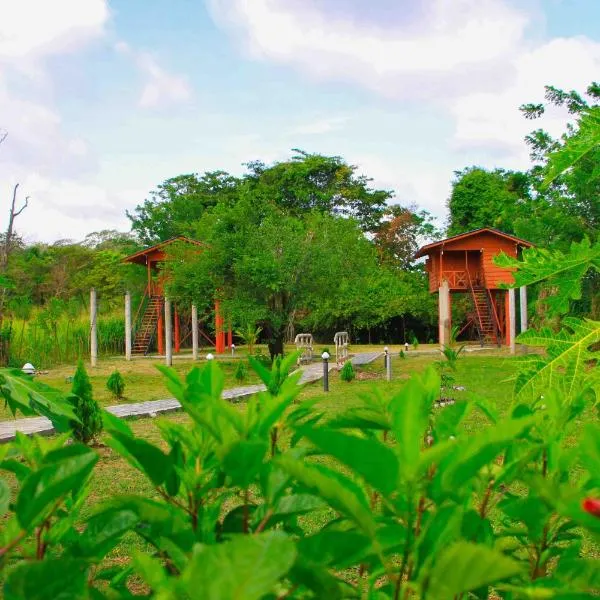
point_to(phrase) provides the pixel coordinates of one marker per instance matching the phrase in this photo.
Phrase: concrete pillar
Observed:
(194, 332)
(93, 328)
(523, 307)
(127, 326)
(168, 334)
(445, 323)
(512, 325)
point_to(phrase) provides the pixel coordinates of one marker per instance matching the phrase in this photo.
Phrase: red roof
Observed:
(425, 250)
(136, 258)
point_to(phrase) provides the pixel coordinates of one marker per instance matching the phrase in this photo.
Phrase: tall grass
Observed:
(47, 343)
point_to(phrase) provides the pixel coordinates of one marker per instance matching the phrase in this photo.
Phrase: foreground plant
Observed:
(389, 499)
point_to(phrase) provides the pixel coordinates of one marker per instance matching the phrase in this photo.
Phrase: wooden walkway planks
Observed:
(43, 426)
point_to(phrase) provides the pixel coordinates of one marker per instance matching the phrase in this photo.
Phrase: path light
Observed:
(385, 357)
(232, 349)
(406, 346)
(209, 356)
(325, 357)
(28, 369)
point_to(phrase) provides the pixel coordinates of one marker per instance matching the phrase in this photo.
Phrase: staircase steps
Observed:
(485, 318)
(147, 327)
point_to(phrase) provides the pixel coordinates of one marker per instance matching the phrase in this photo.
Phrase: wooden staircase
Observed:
(485, 322)
(146, 330)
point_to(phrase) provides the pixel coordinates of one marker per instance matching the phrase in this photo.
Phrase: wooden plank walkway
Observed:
(42, 426)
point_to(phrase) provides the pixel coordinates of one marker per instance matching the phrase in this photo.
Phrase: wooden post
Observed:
(511, 325)
(523, 307)
(177, 338)
(219, 333)
(168, 334)
(194, 332)
(444, 314)
(127, 326)
(93, 328)
(160, 340)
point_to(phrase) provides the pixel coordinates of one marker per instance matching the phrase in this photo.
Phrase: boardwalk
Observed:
(43, 426)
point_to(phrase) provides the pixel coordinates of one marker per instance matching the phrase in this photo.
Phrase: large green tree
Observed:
(271, 267)
(482, 198)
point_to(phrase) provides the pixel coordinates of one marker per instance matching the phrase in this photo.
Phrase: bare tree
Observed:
(8, 238)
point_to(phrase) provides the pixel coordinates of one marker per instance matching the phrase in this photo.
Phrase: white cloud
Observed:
(36, 28)
(450, 51)
(160, 87)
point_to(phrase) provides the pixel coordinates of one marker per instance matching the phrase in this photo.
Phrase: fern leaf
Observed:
(570, 363)
(562, 271)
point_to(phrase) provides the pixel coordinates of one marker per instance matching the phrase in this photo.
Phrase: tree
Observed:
(400, 234)
(314, 182)
(85, 407)
(178, 203)
(482, 198)
(267, 267)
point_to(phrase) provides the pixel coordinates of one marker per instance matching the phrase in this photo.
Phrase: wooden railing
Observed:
(457, 279)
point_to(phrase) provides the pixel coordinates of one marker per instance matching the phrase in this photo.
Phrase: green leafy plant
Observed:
(89, 423)
(241, 372)
(116, 384)
(414, 342)
(249, 335)
(347, 372)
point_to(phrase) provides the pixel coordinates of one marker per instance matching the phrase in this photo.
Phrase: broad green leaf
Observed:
(565, 365)
(410, 410)
(371, 459)
(464, 567)
(334, 547)
(479, 450)
(103, 531)
(244, 568)
(584, 573)
(25, 394)
(333, 487)
(143, 455)
(4, 497)
(320, 581)
(243, 461)
(63, 471)
(50, 579)
(563, 271)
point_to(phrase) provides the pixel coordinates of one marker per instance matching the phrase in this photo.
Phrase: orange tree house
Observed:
(154, 320)
(463, 264)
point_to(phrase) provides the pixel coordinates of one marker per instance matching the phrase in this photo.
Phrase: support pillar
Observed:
(127, 326)
(160, 340)
(511, 332)
(523, 307)
(177, 334)
(93, 328)
(194, 332)
(168, 334)
(445, 323)
(219, 333)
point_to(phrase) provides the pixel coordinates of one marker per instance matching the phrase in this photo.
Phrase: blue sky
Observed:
(104, 99)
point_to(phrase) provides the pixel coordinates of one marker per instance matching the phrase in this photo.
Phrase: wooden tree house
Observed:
(148, 324)
(464, 264)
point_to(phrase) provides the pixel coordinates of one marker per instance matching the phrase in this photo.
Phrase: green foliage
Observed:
(347, 372)
(392, 487)
(89, 418)
(414, 342)
(116, 384)
(241, 372)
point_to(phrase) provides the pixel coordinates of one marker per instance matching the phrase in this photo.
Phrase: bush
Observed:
(116, 384)
(414, 342)
(241, 372)
(85, 407)
(347, 373)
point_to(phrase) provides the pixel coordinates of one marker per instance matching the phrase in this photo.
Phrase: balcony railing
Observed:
(457, 280)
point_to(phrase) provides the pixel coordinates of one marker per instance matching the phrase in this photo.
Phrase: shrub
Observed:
(347, 373)
(241, 372)
(85, 407)
(116, 384)
(414, 342)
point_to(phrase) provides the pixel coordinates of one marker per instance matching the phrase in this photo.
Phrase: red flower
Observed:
(592, 506)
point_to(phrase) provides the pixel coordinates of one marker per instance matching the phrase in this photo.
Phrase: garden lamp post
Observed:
(209, 356)
(386, 351)
(232, 349)
(325, 357)
(388, 365)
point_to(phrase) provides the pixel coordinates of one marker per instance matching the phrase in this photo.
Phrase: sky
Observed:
(103, 100)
